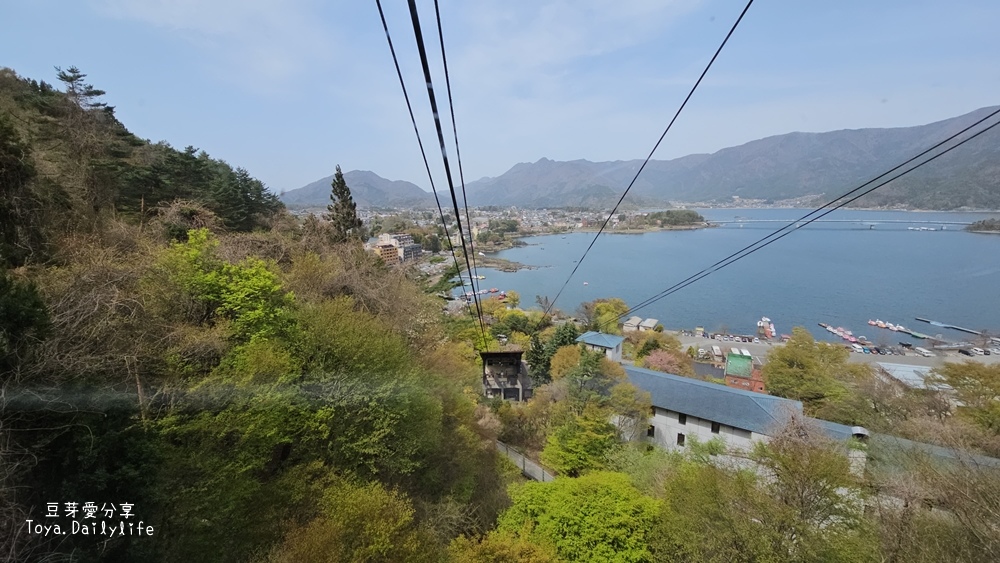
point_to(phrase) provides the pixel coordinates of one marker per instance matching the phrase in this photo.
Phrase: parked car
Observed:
(756, 340)
(965, 352)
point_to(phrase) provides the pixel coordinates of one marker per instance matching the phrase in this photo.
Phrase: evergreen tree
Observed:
(342, 211)
(538, 361)
(82, 94)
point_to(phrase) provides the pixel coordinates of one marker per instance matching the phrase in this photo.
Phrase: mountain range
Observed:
(782, 167)
(367, 188)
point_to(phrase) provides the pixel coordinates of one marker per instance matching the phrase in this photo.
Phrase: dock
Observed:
(958, 328)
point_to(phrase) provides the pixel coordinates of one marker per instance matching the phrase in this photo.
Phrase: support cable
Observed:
(795, 225)
(454, 131)
(650, 156)
(418, 34)
(420, 143)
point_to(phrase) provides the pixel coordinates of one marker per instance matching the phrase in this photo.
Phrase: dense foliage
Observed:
(259, 388)
(66, 163)
(171, 340)
(989, 225)
(674, 218)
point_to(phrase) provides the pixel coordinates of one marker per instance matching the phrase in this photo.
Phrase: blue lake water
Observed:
(838, 273)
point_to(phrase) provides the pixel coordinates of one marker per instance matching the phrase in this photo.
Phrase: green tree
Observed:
(513, 298)
(565, 335)
(359, 523)
(581, 444)
(247, 295)
(20, 232)
(648, 346)
(816, 373)
(597, 517)
(432, 243)
(535, 357)
(24, 320)
(978, 387)
(602, 314)
(82, 94)
(500, 547)
(343, 212)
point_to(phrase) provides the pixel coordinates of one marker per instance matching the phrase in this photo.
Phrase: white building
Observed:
(632, 324)
(648, 324)
(406, 249)
(608, 344)
(685, 408)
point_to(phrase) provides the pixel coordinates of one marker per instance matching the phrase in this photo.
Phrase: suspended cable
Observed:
(454, 131)
(418, 34)
(420, 143)
(650, 156)
(795, 225)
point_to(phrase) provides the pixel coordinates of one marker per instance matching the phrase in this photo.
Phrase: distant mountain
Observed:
(367, 188)
(775, 168)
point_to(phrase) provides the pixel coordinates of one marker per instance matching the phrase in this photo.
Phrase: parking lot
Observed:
(910, 358)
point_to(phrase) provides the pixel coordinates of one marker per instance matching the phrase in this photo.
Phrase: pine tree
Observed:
(342, 211)
(538, 360)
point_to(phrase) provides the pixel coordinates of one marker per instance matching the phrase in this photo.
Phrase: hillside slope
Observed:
(780, 167)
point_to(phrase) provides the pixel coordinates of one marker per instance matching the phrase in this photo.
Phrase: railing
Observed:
(529, 469)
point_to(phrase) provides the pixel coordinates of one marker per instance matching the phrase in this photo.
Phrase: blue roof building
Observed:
(608, 344)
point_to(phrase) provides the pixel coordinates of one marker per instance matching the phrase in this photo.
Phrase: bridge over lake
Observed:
(859, 221)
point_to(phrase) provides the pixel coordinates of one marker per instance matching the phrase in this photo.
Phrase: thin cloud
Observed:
(264, 44)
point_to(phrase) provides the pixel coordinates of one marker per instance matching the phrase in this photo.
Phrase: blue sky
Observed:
(290, 88)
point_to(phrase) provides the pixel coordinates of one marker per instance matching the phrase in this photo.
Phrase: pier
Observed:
(958, 328)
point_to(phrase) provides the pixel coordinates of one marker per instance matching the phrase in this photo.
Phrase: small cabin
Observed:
(505, 376)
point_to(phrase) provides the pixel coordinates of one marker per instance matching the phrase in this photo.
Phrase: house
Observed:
(741, 373)
(648, 324)
(608, 344)
(684, 408)
(505, 376)
(632, 324)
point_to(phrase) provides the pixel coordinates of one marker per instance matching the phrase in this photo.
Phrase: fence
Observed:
(529, 468)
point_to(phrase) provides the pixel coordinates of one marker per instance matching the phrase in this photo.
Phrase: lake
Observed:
(837, 273)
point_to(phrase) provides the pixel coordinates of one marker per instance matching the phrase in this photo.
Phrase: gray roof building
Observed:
(763, 414)
(914, 377)
(758, 413)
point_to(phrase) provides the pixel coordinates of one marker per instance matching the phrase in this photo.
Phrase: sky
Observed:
(290, 88)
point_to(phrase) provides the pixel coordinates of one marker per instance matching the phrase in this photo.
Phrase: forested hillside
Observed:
(254, 387)
(172, 340)
(786, 166)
